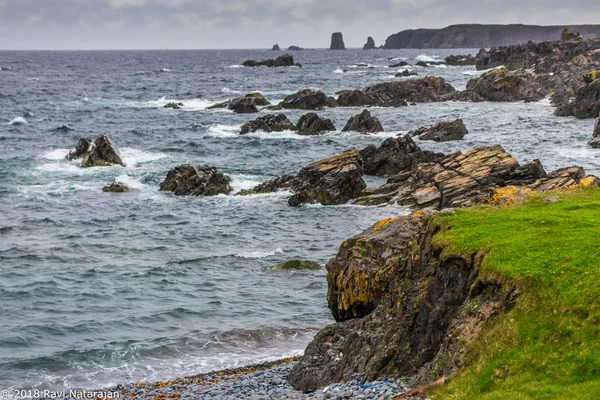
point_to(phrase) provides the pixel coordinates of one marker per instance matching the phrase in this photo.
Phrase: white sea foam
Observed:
(56, 154)
(244, 182)
(164, 70)
(133, 183)
(338, 71)
(259, 254)
(277, 135)
(472, 73)
(236, 66)
(227, 90)
(18, 121)
(224, 130)
(426, 58)
(132, 157)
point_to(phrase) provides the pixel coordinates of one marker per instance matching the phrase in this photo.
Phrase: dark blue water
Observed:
(98, 289)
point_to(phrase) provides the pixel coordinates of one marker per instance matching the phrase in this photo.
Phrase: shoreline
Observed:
(264, 381)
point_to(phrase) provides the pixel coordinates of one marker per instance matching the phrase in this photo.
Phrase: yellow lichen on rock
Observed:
(509, 195)
(383, 223)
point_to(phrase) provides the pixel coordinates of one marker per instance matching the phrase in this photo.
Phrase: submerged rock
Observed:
(442, 132)
(174, 105)
(116, 187)
(337, 41)
(297, 265)
(370, 45)
(196, 180)
(244, 104)
(268, 123)
(363, 123)
(400, 64)
(98, 152)
(312, 124)
(285, 60)
(394, 156)
(330, 181)
(306, 99)
(63, 129)
(406, 73)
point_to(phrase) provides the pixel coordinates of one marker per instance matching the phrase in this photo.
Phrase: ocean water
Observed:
(98, 289)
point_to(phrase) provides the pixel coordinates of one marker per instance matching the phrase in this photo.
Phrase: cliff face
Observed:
(478, 36)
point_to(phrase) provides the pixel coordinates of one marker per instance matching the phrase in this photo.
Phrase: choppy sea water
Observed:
(98, 289)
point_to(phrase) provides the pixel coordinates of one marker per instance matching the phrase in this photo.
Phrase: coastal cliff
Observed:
(479, 36)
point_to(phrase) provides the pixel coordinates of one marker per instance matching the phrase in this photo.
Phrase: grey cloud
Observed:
(257, 23)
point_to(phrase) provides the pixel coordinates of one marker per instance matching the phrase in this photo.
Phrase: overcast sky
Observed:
(205, 24)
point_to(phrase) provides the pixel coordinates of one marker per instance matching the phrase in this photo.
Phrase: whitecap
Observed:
(56, 154)
(164, 70)
(426, 58)
(18, 121)
(277, 135)
(260, 254)
(244, 182)
(338, 71)
(224, 130)
(133, 183)
(472, 73)
(236, 66)
(132, 157)
(227, 90)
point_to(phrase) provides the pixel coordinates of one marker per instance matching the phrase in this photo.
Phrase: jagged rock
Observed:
(442, 132)
(568, 34)
(461, 180)
(305, 100)
(243, 104)
(460, 60)
(63, 129)
(295, 48)
(276, 47)
(587, 102)
(406, 73)
(400, 64)
(331, 181)
(395, 155)
(174, 105)
(312, 124)
(285, 60)
(501, 85)
(363, 123)
(298, 265)
(99, 152)
(196, 180)
(337, 41)
(116, 187)
(422, 64)
(397, 93)
(595, 141)
(268, 123)
(370, 45)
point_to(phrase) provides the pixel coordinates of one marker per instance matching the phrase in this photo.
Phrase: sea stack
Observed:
(370, 45)
(276, 47)
(337, 41)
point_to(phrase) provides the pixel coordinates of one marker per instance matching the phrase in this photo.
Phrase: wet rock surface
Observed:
(268, 123)
(116, 187)
(196, 180)
(244, 104)
(363, 123)
(442, 132)
(502, 85)
(595, 141)
(312, 124)
(305, 100)
(98, 152)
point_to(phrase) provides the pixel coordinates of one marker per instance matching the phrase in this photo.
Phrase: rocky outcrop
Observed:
(394, 156)
(370, 45)
(312, 124)
(461, 180)
(363, 123)
(298, 265)
(244, 104)
(285, 60)
(174, 105)
(268, 123)
(442, 132)
(116, 187)
(98, 152)
(196, 180)
(460, 60)
(331, 181)
(337, 41)
(306, 100)
(295, 48)
(501, 85)
(470, 36)
(585, 105)
(63, 129)
(276, 47)
(400, 64)
(568, 34)
(595, 141)
(402, 309)
(406, 73)
(398, 93)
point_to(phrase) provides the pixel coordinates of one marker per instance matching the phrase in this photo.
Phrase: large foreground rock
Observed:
(442, 132)
(268, 123)
(196, 180)
(330, 181)
(363, 123)
(399, 93)
(501, 85)
(337, 41)
(395, 155)
(461, 180)
(312, 124)
(98, 152)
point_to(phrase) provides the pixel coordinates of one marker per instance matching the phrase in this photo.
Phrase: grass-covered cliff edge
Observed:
(490, 302)
(548, 345)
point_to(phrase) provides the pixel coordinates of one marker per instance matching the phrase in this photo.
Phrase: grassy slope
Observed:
(548, 346)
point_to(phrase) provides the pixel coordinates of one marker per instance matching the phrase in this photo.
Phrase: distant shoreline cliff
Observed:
(478, 36)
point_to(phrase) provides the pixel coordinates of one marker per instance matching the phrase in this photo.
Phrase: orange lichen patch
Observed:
(418, 214)
(509, 195)
(588, 182)
(345, 244)
(383, 223)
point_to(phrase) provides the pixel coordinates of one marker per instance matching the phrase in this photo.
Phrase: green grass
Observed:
(548, 345)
